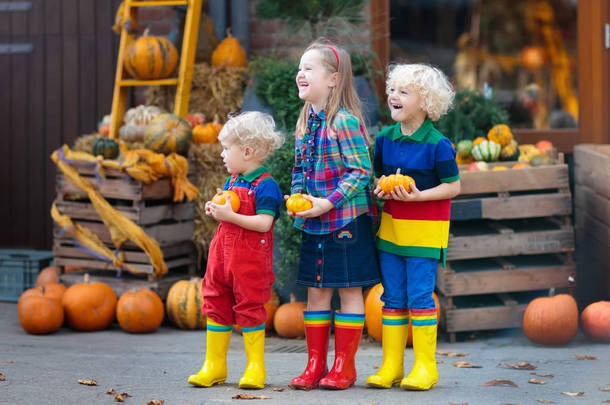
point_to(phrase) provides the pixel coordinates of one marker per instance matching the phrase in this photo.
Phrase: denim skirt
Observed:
(342, 259)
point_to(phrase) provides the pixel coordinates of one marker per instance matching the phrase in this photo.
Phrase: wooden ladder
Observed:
(185, 68)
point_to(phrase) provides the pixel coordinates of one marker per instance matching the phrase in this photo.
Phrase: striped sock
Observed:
(316, 318)
(253, 328)
(423, 317)
(349, 321)
(394, 317)
(216, 327)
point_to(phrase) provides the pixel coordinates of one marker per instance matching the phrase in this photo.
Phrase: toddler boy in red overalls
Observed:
(239, 273)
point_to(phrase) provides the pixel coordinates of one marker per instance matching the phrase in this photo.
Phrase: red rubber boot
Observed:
(316, 333)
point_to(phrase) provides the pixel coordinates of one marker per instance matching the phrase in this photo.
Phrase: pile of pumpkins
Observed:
(500, 145)
(87, 306)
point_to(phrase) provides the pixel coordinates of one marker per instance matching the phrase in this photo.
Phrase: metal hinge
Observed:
(15, 5)
(607, 35)
(10, 49)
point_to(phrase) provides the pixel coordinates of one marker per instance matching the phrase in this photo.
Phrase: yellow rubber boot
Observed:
(214, 370)
(254, 343)
(424, 375)
(395, 325)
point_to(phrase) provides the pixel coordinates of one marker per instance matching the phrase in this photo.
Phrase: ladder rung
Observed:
(158, 82)
(159, 3)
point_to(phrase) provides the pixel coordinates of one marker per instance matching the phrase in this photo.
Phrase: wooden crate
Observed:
(592, 212)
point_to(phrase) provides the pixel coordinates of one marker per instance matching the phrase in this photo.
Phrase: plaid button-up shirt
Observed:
(333, 164)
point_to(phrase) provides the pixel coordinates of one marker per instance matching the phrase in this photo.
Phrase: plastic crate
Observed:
(19, 269)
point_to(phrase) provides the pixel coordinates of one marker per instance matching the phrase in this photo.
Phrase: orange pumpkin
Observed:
(183, 304)
(150, 57)
(195, 119)
(372, 309)
(39, 314)
(296, 203)
(89, 306)
(271, 308)
(54, 291)
(388, 183)
(545, 147)
(140, 311)
(48, 275)
(551, 320)
(289, 321)
(595, 320)
(532, 57)
(521, 165)
(229, 52)
(500, 134)
(221, 199)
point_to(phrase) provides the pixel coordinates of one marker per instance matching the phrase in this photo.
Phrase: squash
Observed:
(289, 321)
(498, 168)
(271, 307)
(105, 147)
(220, 198)
(229, 52)
(510, 152)
(150, 57)
(89, 306)
(48, 275)
(140, 311)
(39, 314)
(463, 161)
(478, 140)
(478, 167)
(296, 203)
(545, 147)
(207, 133)
(500, 134)
(142, 114)
(183, 304)
(195, 119)
(521, 166)
(532, 57)
(595, 321)
(53, 291)
(551, 320)
(540, 160)
(464, 148)
(388, 183)
(169, 133)
(486, 151)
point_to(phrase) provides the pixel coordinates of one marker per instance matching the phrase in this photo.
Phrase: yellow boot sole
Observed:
(376, 381)
(201, 381)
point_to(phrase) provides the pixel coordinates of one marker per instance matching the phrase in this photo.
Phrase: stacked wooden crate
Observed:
(592, 201)
(511, 237)
(148, 205)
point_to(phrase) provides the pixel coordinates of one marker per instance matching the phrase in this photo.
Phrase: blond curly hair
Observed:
(429, 82)
(252, 129)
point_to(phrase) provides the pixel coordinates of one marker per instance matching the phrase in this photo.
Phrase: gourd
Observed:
(139, 311)
(500, 134)
(229, 52)
(510, 152)
(168, 133)
(220, 198)
(521, 166)
(136, 121)
(551, 320)
(544, 146)
(540, 160)
(478, 140)
(297, 203)
(151, 57)
(207, 133)
(105, 147)
(595, 320)
(183, 304)
(464, 148)
(486, 151)
(89, 306)
(388, 183)
(289, 321)
(39, 314)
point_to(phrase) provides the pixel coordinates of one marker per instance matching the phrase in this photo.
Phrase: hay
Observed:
(214, 90)
(211, 174)
(84, 143)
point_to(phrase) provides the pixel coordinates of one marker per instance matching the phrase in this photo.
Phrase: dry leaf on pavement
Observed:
(466, 364)
(439, 361)
(549, 375)
(155, 402)
(121, 397)
(248, 396)
(455, 403)
(573, 394)
(87, 382)
(2, 377)
(450, 354)
(536, 381)
(545, 401)
(585, 357)
(522, 365)
(277, 389)
(493, 383)
(606, 389)
(111, 391)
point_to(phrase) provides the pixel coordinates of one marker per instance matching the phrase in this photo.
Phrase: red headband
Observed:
(335, 52)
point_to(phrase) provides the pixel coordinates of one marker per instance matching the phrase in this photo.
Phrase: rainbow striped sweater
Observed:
(419, 229)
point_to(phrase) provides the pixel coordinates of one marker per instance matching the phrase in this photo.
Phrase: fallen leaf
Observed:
(545, 401)
(455, 403)
(466, 364)
(155, 402)
(87, 382)
(121, 397)
(493, 383)
(522, 365)
(549, 375)
(450, 354)
(585, 357)
(536, 381)
(111, 391)
(375, 366)
(277, 389)
(573, 394)
(605, 389)
(439, 361)
(248, 396)
(2, 377)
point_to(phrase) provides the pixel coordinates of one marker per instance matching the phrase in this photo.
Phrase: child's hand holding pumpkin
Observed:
(319, 206)
(401, 194)
(222, 212)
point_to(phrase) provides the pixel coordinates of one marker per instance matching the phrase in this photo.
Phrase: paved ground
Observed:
(45, 370)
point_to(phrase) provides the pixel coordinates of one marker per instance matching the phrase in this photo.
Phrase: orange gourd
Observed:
(500, 134)
(139, 311)
(521, 165)
(220, 198)
(48, 275)
(544, 146)
(478, 140)
(39, 314)
(53, 291)
(551, 320)
(150, 57)
(229, 52)
(89, 306)
(183, 304)
(595, 320)
(289, 321)
(532, 57)
(388, 183)
(296, 203)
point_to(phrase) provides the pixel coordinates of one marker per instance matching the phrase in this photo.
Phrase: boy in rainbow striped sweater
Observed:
(414, 228)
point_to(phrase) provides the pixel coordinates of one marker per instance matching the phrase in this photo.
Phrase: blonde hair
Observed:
(429, 82)
(253, 129)
(343, 95)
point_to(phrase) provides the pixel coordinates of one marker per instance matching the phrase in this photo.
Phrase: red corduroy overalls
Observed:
(239, 274)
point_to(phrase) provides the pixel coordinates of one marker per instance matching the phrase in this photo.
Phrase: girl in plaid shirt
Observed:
(333, 169)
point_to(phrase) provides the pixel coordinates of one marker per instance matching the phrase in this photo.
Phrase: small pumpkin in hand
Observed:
(89, 306)
(595, 320)
(105, 147)
(551, 320)
(220, 198)
(297, 203)
(388, 183)
(139, 311)
(289, 321)
(229, 52)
